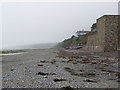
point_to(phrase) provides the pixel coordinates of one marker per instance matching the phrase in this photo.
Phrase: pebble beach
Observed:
(53, 68)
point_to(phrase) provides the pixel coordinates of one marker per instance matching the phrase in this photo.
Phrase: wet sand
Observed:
(51, 68)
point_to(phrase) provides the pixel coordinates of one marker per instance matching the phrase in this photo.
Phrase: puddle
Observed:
(12, 54)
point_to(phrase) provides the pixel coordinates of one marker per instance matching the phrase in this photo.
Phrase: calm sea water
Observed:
(35, 46)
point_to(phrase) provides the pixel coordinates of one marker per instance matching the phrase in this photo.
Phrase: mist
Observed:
(40, 23)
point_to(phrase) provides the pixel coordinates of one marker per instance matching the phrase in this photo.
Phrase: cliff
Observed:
(74, 42)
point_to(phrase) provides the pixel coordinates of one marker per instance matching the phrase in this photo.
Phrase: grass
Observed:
(11, 51)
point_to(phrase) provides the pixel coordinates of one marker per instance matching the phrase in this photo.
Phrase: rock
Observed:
(81, 70)
(96, 56)
(113, 78)
(74, 62)
(118, 80)
(83, 56)
(41, 73)
(43, 61)
(39, 65)
(68, 69)
(89, 80)
(95, 62)
(67, 88)
(58, 80)
(12, 69)
(53, 62)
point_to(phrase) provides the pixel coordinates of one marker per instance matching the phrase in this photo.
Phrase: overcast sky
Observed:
(34, 23)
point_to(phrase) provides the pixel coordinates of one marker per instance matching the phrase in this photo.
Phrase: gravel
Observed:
(41, 68)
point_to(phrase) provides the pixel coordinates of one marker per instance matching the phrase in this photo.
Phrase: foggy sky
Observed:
(34, 23)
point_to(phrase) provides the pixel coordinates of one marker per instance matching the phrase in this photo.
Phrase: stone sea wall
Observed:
(106, 37)
(111, 33)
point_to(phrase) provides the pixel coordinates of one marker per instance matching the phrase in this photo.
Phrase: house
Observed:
(81, 33)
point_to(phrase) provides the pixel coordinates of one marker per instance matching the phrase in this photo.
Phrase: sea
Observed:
(32, 46)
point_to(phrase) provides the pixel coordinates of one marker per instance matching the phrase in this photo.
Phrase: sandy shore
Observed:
(44, 68)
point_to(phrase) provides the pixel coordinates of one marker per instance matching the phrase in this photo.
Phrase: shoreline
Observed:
(46, 68)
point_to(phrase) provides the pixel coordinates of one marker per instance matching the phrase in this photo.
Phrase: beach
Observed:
(54, 68)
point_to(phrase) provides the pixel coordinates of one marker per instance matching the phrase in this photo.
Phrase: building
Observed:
(106, 36)
(81, 33)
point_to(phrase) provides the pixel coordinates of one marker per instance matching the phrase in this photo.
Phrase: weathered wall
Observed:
(111, 33)
(101, 33)
(96, 41)
(92, 43)
(106, 38)
(119, 32)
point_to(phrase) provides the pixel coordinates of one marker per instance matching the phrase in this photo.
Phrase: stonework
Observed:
(106, 37)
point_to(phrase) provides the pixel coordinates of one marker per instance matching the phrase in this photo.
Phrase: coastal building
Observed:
(106, 37)
(81, 33)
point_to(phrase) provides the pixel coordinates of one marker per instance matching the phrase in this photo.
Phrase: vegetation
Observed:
(93, 27)
(74, 41)
(11, 51)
